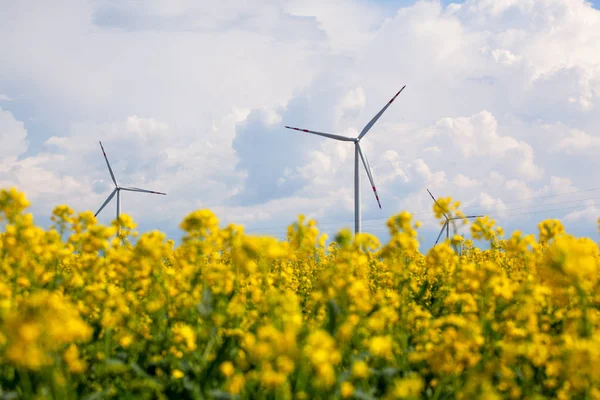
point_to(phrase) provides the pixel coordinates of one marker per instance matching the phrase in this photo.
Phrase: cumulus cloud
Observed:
(477, 136)
(587, 215)
(463, 181)
(578, 142)
(489, 203)
(13, 138)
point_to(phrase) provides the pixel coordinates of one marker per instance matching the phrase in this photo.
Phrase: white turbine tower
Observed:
(446, 225)
(358, 152)
(118, 188)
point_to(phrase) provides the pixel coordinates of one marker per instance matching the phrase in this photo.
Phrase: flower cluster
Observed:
(103, 312)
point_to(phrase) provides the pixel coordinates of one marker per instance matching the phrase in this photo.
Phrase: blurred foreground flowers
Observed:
(87, 311)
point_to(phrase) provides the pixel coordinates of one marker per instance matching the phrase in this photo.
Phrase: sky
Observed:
(500, 109)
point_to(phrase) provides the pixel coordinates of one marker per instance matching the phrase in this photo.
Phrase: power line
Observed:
(551, 204)
(534, 198)
(421, 212)
(522, 208)
(543, 211)
(502, 217)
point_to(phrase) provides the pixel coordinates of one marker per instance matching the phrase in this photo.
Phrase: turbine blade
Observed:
(135, 189)
(327, 135)
(108, 164)
(379, 114)
(440, 235)
(437, 203)
(363, 157)
(108, 199)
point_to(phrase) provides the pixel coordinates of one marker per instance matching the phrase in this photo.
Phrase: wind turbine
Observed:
(118, 188)
(448, 219)
(358, 152)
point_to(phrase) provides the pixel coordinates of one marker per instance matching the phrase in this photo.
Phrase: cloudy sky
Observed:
(501, 108)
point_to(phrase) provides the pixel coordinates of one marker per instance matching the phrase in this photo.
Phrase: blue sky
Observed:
(500, 110)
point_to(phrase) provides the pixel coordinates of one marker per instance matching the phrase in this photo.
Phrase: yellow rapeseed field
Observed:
(90, 311)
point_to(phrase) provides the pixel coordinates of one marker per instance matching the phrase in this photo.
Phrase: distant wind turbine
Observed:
(118, 188)
(358, 152)
(448, 219)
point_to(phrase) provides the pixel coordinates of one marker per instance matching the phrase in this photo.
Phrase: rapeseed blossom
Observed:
(104, 312)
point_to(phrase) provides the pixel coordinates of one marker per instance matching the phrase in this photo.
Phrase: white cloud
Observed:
(349, 25)
(556, 185)
(353, 102)
(490, 203)
(589, 214)
(578, 142)
(13, 138)
(43, 187)
(505, 57)
(435, 150)
(518, 189)
(463, 181)
(393, 167)
(425, 172)
(477, 136)
(500, 103)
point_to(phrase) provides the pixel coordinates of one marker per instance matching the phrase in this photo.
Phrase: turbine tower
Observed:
(448, 219)
(118, 188)
(358, 153)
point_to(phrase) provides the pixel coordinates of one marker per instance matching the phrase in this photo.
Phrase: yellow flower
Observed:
(12, 203)
(71, 357)
(483, 228)
(32, 340)
(227, 368)
(323, 355)
(360, 370)
(549, 229)
(177, 374)
(236, 384)
(381, 346)
(409, 387)
(126, 340)
(185, 334)
(346, 390)
(298, 318)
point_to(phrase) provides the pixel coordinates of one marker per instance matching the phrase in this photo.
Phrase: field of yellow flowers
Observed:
(94, 312)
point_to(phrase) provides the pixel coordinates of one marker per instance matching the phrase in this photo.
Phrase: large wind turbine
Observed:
(358, 152)
(448, 219)
(118, 188)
